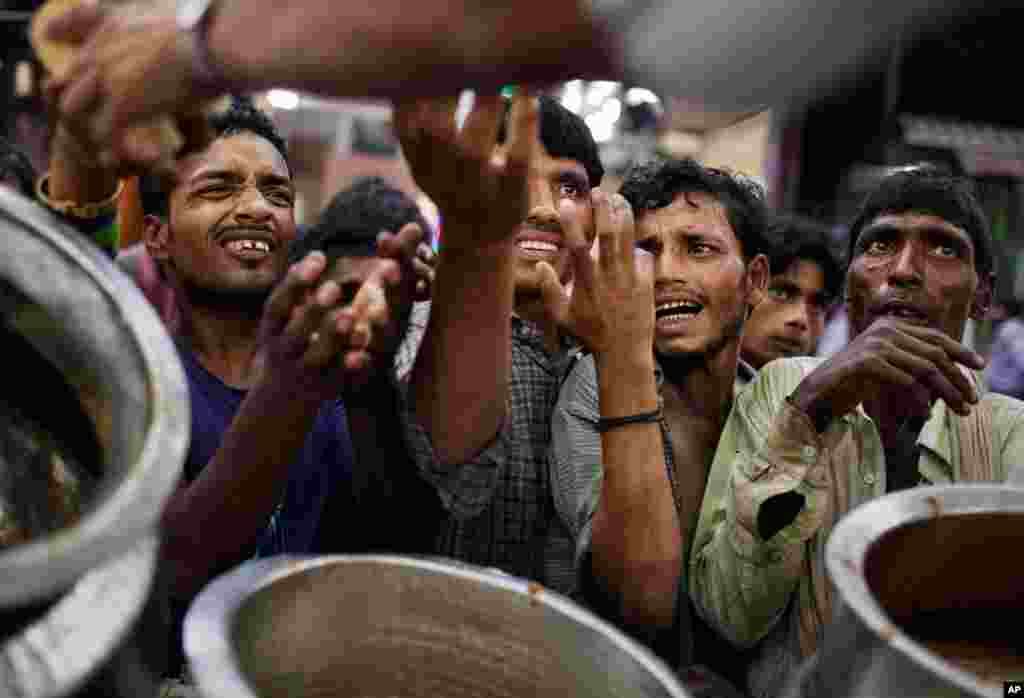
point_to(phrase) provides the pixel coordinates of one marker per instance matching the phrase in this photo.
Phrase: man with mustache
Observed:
(488, 371)
(638, 421)
(807, 275)
(811, 439)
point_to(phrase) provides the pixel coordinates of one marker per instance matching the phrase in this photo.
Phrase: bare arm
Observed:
(635, 545)
(459, 383)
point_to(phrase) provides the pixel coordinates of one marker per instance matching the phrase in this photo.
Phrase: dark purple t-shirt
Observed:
(324, 466)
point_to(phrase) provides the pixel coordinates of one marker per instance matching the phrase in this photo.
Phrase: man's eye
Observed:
(878, 247)
(778, 294)
(280, 197)
(700, 249)
(946, 251)
(568, 190)
(649, 245)
(216, 192)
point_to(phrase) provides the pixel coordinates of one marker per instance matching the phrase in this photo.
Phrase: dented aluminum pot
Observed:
(400, 626)
(90, 344)
(929, 586)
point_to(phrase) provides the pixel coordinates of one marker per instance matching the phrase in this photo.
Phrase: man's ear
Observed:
(982, 303)
(156, 236)
(757, 279)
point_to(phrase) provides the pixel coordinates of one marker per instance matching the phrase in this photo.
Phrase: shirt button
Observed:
(869, 478)
(809, 454)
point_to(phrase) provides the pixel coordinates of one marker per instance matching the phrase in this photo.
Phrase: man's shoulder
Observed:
(1005, 410)
(779, 378)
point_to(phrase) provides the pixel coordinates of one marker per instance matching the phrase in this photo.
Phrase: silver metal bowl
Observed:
(913, 554)
(90, 323)
(64, 648)
(369, 626)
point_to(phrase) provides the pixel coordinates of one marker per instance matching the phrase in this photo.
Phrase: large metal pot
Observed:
(83, 645)
(930, 590)
(84, 329)
(396, 626)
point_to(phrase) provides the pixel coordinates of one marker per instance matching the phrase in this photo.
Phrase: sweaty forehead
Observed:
(915, 223)
(243, 154)
(542, 162)
(690, 212)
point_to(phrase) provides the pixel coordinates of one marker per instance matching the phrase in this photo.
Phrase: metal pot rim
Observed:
(45, 566)
(209, 622)
(848, 545)
(57, 653)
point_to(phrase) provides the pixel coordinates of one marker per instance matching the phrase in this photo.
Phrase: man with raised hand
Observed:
(637, 422)
(487, 375)
(810, 439)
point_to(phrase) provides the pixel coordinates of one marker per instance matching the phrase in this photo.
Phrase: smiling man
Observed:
(807, 274)
(637, 422)
(486, 378)
(811, 439)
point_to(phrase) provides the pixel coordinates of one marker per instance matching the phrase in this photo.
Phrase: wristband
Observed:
(606, 423)
(74, 209)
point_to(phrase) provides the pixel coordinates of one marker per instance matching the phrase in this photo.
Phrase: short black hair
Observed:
(15, 166)
(565, 135)
(243, 116)
(349, 225)
(929, 190)
(656, 184)
(793, 238)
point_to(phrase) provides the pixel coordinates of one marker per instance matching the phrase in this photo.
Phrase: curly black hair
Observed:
(656, 184)
(349, 225)
(929, 190)
(792, 238)
(241, 117)
(565, 135)
(15, 167)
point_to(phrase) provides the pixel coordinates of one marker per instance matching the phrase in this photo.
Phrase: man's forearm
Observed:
(394, 47)
(636, 551)
(75, 176)
(460, 379)
(220, 515)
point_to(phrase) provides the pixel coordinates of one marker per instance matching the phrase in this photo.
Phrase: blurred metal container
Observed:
(84, 321)
(909, 557)
(397, 626)
(83, 644)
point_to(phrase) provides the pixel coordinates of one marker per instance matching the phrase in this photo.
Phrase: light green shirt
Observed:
(744, 586)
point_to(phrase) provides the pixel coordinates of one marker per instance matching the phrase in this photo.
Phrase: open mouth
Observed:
(905, 312)
(676, 311)
(248, 246)
(539, 243)
(789, 347)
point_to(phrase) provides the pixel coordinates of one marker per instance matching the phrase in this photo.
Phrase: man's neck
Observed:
(225, 341)
(703, 385)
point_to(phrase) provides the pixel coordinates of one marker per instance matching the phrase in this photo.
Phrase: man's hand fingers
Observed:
(956, 351)
(292, 290)
(553, 295)
(81, 94)
(943, 363)
(75, 25)
(480, 130)
(523, 134)
(579, 252)
(608, 234)
(935, 378)
(622, 214)
(408, 239)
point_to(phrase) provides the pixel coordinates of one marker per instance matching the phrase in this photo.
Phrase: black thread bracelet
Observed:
(606, 423)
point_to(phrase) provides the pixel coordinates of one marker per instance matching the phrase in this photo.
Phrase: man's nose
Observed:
(252, 205)
(906, 267)
(799, 316)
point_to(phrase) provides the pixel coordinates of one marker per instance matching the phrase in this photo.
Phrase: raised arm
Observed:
(634, 541)
(459, 383)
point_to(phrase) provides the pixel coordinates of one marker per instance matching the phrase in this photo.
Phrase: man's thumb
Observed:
(556, 301)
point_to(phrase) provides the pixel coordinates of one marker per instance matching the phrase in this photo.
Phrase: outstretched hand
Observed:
(611, 307)
(481, 192)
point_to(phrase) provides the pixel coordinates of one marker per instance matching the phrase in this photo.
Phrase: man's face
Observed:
(790, 319)
(915, 267)
(231, 219)
(701, 284)
(540, 238)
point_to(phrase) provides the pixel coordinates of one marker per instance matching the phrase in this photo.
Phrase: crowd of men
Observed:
(614, 394)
